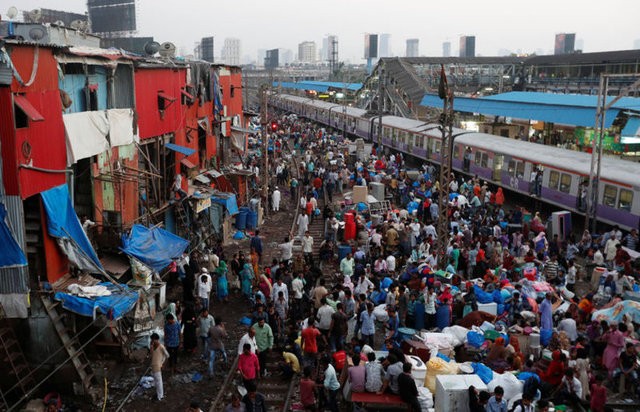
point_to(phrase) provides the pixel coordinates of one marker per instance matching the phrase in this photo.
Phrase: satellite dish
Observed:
(167, 49)
(151, 48)
(79, 25)
(35, 15)
(37, 33)
(12, 12)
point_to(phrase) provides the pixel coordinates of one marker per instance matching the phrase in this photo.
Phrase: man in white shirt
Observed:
(275, 197)
(324, 317)
(303, 224)
(363, 285)
(432, 259)
(307, 247)
(431, 230)
(568, 325)
(570, 388)
(286, 249)
(250, 338)
(297, 288)
(391, 263)
(347, 264)
(280, 287)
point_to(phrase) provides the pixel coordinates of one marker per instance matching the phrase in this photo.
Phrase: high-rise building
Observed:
(112, 18)
(206, 49)
(272, 60)
(370, 46)
(231, 51)
(307, 52)
(262, 54)
(285, 56)
(467, 46)
(565, 43)
(446, 49)
(413, 48)
(384, 48)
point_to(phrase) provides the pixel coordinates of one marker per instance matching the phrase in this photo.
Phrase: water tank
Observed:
(252, 219)
(241, 219)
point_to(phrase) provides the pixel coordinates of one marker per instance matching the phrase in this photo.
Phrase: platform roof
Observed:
(568, 109)
(318, 86)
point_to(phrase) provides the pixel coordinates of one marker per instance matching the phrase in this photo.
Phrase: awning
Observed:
(243, 130)
(186, 94)
(32, 113)
(187, 164)
(632, 127)
(166, 96)
(154, 247)
(11, 255)
(63, 224)
(116, 305)
(228, 200)
(187, 151)
(203, 179)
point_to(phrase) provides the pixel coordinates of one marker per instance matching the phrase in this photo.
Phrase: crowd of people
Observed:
(339, 319)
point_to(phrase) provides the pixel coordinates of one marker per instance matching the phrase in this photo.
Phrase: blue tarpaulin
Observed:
(228, 201)
(64, 225)
(153, 247)
(187, 151)
(114, 306)
(11, 254)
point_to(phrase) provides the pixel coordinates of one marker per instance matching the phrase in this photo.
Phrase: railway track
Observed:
(277, 391)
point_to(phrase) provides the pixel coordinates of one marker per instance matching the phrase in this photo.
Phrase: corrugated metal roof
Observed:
(576, 115)
(607, 57)
(574, 100)
(632, 128)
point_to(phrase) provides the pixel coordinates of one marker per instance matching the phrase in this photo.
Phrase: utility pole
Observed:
(380, 109)
(591, 211)
(265, 141)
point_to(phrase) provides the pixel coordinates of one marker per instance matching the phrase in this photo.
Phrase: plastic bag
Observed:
(483, 371)
(511, 385)
(444, 357)
(545, 336)
(458, 332)
(435, 367)
(475, 339)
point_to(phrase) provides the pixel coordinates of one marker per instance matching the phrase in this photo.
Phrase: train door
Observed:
(498, 164)
(429, 147)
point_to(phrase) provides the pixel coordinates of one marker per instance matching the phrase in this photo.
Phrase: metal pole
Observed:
(380, 109)
(265, 141)
(445, 173)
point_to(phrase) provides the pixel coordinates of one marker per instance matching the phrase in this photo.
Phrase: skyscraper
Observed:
(271, 60)
(206, 49)
(384, 49)
(413, 48)
(446, 49)
(307, 52)
(565, 43)
(231, 51)
(467, 46)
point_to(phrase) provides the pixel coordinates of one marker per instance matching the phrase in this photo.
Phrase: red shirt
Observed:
(306, 392)
(308, 337)
(248, 365)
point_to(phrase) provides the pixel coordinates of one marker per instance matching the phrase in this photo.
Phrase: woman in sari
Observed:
(223, 284)
(246, 277)
(255, 261)
(615, 339)
(265, 285)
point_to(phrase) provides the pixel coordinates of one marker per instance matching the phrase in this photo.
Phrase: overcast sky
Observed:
(267, 24)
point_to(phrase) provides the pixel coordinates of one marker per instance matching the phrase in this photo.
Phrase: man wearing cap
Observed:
(275, 199)
(204, 288)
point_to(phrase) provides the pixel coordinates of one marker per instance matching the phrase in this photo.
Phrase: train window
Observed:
(625, 200)
(520, 170)
(478, 157)
(511, 168)
(385, 132)
(419, 140)
(485, 160)
(438, 146)
(610, 195)
(565, 183)
(456, 151)
(554, 179)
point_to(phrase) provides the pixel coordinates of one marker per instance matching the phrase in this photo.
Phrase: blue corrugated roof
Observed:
(632, 128)
(318, 86)
(554, 108)
(187, 151)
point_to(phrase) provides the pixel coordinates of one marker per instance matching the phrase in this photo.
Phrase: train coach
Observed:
(498, 160)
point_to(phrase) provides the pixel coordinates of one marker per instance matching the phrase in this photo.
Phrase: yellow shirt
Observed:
(292, 360)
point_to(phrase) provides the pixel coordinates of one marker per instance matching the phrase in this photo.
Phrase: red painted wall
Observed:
(45, 138)
(148, 82)
(56, 262)
(231, 77)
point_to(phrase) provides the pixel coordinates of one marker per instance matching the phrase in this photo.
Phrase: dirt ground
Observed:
(179, 388)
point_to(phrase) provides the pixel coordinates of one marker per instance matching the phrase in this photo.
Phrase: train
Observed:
(501, 161)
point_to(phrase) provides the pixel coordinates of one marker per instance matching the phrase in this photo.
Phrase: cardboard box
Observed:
(360, 194)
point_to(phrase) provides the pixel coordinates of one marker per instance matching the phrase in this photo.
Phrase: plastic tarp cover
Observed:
(64, 225)
(154, 247)
(114, 306)
(228, 201)
(11, 255)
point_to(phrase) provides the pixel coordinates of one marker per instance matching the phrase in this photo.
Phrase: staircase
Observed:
(71, 345)
(11, 355)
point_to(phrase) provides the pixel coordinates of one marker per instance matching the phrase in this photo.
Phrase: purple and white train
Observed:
(501, 161)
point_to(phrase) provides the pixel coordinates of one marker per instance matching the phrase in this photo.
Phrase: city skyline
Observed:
(498, 29)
